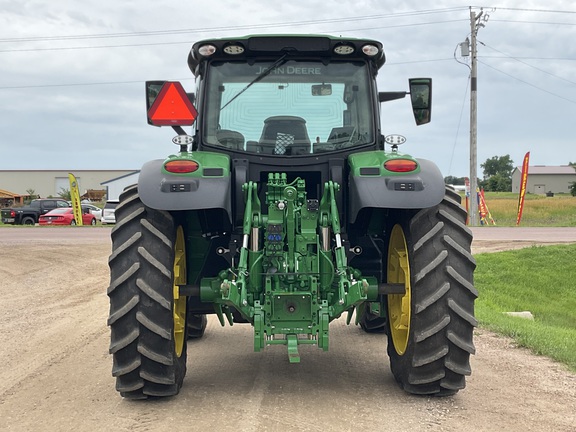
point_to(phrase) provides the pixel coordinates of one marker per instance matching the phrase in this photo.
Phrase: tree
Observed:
(455, 180)
(498, 174)
(498, 183)
(65, 194)
(32, 193)
(502, 165)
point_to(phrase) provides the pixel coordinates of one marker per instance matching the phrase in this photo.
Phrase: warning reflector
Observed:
(172, 107)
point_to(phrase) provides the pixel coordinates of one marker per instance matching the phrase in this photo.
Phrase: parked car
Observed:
(65, 216)
(108, 215)
(96, 211)
(28, 215)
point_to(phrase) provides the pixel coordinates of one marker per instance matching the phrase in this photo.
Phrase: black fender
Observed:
(410, 191)
(172, 192)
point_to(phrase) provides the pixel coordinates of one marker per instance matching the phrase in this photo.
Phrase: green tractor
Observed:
(286, 207)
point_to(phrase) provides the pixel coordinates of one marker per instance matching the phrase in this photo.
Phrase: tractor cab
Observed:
(295, 104)
(291, 96)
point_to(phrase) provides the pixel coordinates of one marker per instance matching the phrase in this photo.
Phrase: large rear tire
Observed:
(147, 316)
(430, 327)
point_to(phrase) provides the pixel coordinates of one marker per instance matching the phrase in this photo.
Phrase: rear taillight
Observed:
(181, 166)
(401, 165)
(12, 213)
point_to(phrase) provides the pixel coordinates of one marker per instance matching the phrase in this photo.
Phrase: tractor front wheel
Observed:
(196, 325)
(147, 315)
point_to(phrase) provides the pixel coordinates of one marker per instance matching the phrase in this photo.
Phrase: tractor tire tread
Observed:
(443, 294)
(140, 291)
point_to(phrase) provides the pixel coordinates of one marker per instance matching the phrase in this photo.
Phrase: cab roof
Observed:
(273, 46)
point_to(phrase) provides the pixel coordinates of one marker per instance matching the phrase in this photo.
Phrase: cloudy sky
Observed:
(72, 73)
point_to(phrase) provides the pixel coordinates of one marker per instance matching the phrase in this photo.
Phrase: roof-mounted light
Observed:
(207, 50)
(233, 49)
(370, 50)
(343, 49)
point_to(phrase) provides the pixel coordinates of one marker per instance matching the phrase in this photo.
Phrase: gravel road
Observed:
(55, 367)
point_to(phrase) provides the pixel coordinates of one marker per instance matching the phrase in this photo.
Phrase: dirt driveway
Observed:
(55, 367)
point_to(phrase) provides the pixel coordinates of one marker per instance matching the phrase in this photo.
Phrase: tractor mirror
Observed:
(322, 90)
(421, 99)
(152, 90)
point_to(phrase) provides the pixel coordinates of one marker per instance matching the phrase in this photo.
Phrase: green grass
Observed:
(537, 279)
(539, 210)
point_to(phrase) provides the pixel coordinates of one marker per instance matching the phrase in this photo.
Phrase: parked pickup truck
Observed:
(28, 215)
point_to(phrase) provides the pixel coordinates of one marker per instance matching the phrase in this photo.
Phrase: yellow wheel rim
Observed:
(179, 311)
(399, 304)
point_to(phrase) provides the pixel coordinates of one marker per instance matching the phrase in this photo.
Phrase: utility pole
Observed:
(474, 27)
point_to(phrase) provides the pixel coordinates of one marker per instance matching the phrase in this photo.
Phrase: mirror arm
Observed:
(388, 96)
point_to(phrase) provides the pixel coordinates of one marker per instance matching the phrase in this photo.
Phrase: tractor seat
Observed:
(231, 139)
(285, 135)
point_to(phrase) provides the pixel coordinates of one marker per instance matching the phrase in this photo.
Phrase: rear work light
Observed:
(370, 50)
(344, 49)
(401, 165)
(233, 49)
(207, 50)
(181, 166)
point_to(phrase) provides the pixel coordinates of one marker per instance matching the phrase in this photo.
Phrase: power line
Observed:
(529, 58)
(94, 47)
(527, 83)
(188, 42)
(528, 64)
(231, 28)
(533, 22)
(419, 61)
(532, 10)
(459, 123)
(296, 23)
(281, 24)
(84, 84)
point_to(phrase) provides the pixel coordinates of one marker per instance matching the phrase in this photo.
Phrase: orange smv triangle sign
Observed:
(172, 107)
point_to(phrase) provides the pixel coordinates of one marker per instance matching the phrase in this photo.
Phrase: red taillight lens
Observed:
(12, 213)
(400, 165)
(181, 166)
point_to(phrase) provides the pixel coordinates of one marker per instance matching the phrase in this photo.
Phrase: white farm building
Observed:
(543, 179)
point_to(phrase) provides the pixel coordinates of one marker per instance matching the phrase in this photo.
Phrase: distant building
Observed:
(47, 183)
(458, 188)
(116, 185)
(543, 179)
